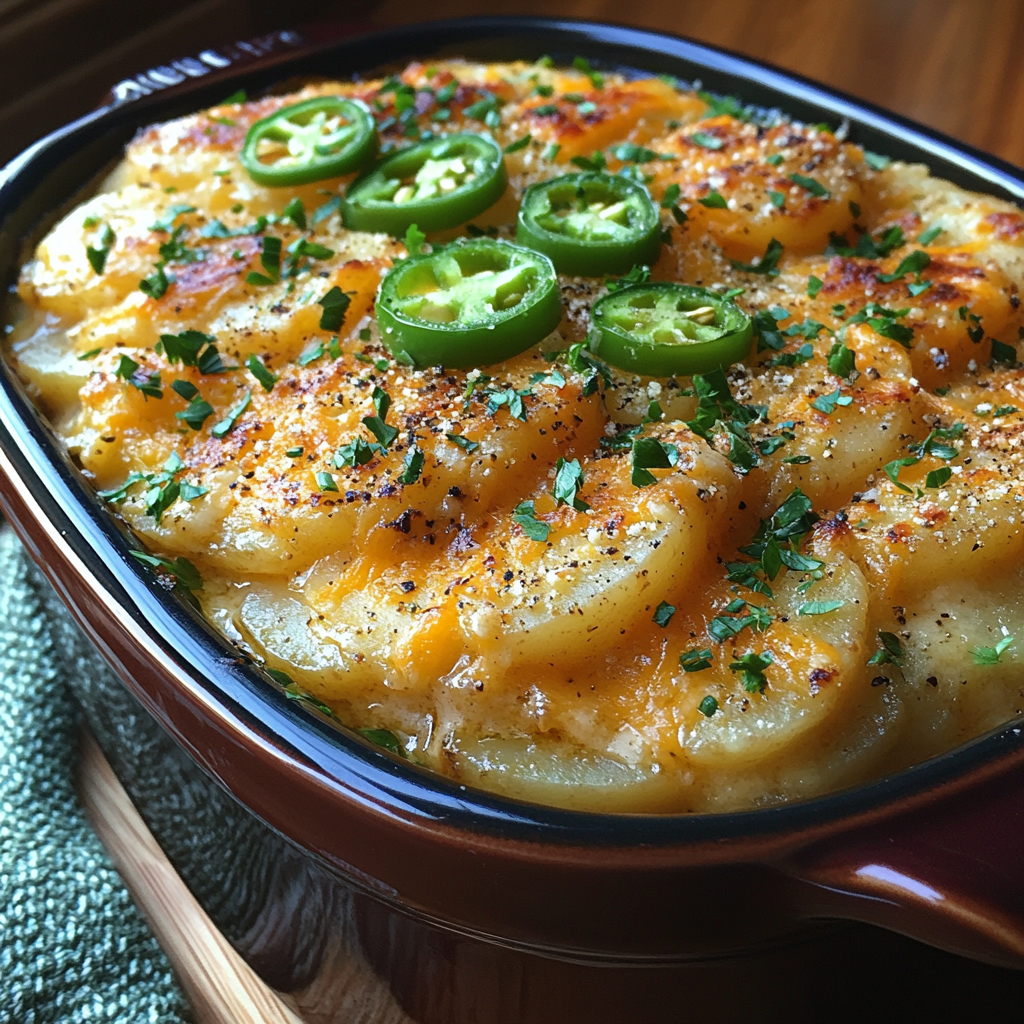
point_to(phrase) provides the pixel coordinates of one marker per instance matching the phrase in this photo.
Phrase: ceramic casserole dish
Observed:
(355, 881)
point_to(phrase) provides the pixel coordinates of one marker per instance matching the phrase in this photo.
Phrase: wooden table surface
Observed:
(953, 64)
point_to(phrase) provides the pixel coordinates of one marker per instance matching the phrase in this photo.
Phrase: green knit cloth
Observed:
(73, 947)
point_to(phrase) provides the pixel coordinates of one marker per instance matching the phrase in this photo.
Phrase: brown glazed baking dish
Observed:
(374, 890)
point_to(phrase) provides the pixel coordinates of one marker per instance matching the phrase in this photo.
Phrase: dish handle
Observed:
(949, 873)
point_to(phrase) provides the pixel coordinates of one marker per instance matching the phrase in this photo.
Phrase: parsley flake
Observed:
(525, 517)
(266, 379)
(696, 659)
(767, 264)
(991, 655)
(184, 573)
(412, 466)
(226, 425)
(714, 200)
(569, 479)
(97, 256)
(708, 706)
(663, 614)
(912, 264)
(650, 453)
(335, 305)
(463, 442)
(376, 424)
(750, 668)
(890, 651)
(819, 607)
(811, 185)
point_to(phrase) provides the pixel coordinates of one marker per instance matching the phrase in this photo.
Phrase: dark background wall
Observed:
(954, 64)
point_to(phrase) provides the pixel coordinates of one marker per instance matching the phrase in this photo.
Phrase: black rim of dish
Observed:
(56, 167)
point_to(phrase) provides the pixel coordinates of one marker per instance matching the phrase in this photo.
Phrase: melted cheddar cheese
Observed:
(551, 670)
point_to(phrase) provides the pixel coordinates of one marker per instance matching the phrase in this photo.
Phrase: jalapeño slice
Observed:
(469, 304)
(663, 329)
(309, 141)
(435, 185)
(590, 224)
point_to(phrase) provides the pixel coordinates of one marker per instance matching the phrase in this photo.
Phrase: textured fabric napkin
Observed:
(73, 947)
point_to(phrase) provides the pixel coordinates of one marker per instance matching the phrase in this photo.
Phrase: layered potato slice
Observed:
(816, 582)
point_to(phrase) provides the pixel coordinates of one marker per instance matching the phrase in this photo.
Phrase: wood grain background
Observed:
(954, 64)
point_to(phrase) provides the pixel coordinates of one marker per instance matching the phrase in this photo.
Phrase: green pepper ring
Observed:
(493, 335)
(582, 256)
(353, 154)
(365, 207)
(683, 347)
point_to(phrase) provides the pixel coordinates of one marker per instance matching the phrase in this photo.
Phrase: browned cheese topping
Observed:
(823, 589)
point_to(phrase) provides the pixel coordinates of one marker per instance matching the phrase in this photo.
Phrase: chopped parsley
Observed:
(593, 371)
(185, 574)
(97, 255)
(198, 410)
(356, 453)
(767, 264)
(266, 379)
(631, 153)
(324, 481)
(706, 140)
(750, 668)
(192, 348)
(270, 258)
(991, 655)
(828, 403)
(811, 185)
(463, 442)
(775, 546)
(819, 607)
(512, 399)
(376, 424)
(696, 659)
(295, 211)
(842, 361)
(714, 200)
(1002, 353)
(938, 477)
(226, 425)
(328, 209)
(650, 453)
(412, 467)
(525, 517)
(173, 212)
(583, 65)
(310, 354)
(912, 264)
(719, 413)
(569, 479)
(663, 614)
(741, 616)
(596, 162)
(335, 305)
(387, 739)
(708, 706)
(890, 650)
(148, 383)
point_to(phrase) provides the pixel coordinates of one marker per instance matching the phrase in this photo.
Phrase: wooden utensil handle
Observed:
(222, 988)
